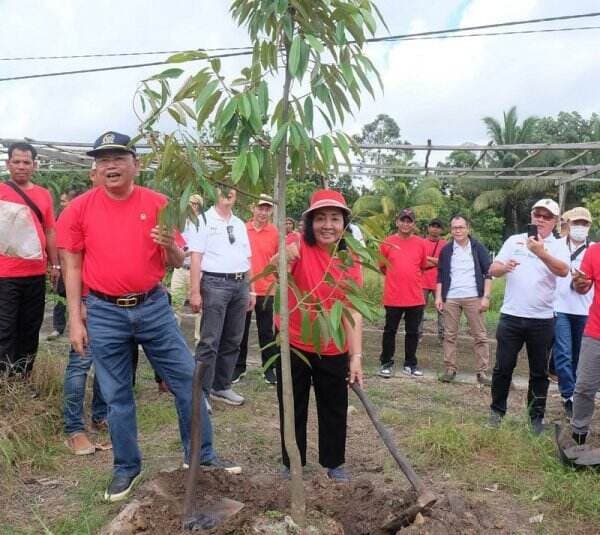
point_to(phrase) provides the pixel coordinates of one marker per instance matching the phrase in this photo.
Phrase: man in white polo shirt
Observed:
(220, 285)
(531, 265)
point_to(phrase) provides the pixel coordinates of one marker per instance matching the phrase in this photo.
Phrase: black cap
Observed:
(112, 141)
(407, 212)
(435, 221)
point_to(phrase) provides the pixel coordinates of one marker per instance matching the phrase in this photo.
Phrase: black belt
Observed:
(228, 276)
(126, 301)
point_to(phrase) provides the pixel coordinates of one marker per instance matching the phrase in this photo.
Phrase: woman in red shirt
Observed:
(329, 366)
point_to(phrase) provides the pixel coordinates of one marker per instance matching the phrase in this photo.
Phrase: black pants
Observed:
(328, 375)
(21, 316)
(412, 320)
(59, 319)
(264, 324)
(511, 334)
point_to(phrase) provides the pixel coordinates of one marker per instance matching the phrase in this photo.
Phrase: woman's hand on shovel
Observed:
(356, 371)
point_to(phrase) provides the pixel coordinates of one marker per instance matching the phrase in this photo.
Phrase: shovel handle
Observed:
(195, 440)
(402, 461)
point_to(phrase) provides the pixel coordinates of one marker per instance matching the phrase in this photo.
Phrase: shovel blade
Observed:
(212, 515)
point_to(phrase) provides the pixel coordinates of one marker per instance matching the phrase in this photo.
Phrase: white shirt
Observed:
(188, 235)
(567, 300)
(211, 239)
(462, 272)
(530, 287)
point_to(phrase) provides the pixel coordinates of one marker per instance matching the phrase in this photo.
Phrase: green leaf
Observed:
(369, 20)
(253, 168)
(208, 108)
(316, 336)
(227, 113)
(305, 330)
(294, 57)
(169, 73)
(327, 147)
(175, 114)
(279, 136)
(339, 337)
(191, 55)
(308, 113)
(335, 314)
(244, 106)
(324, 328)
(216, 64)
(263, 97)
(361, 306)
(185, 197)
(206, 92)
(238, 167)
(314, 43)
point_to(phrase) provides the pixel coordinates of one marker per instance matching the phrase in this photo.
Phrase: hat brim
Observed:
(106, 148)
(327, 203)
(260, 203)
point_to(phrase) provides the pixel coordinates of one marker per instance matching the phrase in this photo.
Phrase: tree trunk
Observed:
(298, 503)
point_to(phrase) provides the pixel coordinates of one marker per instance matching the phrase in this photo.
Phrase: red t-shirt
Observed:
(11, 266)
(293, 237)
(433, 249)
(119, 256)
(264, 243)
(407, 258)
(590, 265)
(308, 272)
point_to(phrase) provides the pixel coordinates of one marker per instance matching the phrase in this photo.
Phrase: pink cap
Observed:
(327, 198)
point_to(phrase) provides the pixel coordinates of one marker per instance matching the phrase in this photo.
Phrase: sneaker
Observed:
(237, 377)
(120, 487)
(386, 371)
(100, 426)
(416, 372)
(270, 377)
(484, 379)
(448, 377)
(407, 370)
(537, 425)
(80, 444)
(53, 335)
(227, 396)
(338, 474)
(568, 405)
(208, 406)
(495, 419)
(221, 464)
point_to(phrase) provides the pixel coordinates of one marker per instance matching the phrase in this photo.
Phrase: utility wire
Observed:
(439, 34)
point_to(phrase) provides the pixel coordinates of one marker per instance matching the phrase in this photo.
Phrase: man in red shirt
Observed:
(111, 242)
(23, 279)
(264, 239)
(405, 258)
(434, 244)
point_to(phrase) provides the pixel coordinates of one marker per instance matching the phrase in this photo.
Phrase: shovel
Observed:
(425, 497)
(213, 514)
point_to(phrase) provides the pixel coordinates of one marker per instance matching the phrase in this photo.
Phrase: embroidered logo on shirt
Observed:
(143, 216)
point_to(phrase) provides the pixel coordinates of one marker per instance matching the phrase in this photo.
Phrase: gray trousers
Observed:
(224, 306)
(588, 383)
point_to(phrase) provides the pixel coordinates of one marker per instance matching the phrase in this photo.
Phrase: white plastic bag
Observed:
(18, 235)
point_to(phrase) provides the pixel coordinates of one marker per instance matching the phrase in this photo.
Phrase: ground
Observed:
(499, 481)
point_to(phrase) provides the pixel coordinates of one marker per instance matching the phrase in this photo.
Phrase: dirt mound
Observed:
(356, 508)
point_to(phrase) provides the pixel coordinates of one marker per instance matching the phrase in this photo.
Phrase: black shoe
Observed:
(537, 425)
(238, 375)
(495, 419)
(270, 377)
(568, 405)
(222, 464)
(120, 487)
(579, 438)
(448, 377)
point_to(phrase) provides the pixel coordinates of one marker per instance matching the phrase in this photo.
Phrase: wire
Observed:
(245, 51)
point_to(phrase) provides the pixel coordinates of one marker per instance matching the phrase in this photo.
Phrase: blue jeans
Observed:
(152, 324)
(568, 330)
(224, 307)
(76, 374)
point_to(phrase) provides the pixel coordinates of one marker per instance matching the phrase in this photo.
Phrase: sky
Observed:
(434, 89)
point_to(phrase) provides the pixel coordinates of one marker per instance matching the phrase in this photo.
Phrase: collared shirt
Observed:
(530, 287)
(462, 272)
(566, 299)
(212, 240)
(264, 242)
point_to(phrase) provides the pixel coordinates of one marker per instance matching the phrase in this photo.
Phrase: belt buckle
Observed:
(239, 276)
(127, 302)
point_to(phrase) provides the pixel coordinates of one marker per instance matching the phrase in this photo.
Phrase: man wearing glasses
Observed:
(220, 287)
(531, 264)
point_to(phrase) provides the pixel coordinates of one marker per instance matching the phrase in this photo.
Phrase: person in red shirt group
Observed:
(405, 258)
(264, 241)
(329, 367)
(111, 243)
(23, 279)
(434, 243)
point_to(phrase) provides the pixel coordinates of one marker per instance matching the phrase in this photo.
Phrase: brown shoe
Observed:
(101, 426)
(484, 379)
(79, 444)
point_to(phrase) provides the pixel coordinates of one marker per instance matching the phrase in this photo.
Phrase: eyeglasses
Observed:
(230, 234)
(545, 217)
(458, 228)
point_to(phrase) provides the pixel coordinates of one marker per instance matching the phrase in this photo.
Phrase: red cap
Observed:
(327, 198)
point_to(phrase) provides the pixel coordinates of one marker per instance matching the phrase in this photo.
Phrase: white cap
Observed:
(548, 204)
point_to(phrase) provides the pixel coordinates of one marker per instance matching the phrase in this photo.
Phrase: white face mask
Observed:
(578, 232)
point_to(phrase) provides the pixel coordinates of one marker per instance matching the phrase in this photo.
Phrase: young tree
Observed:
(316, 48)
